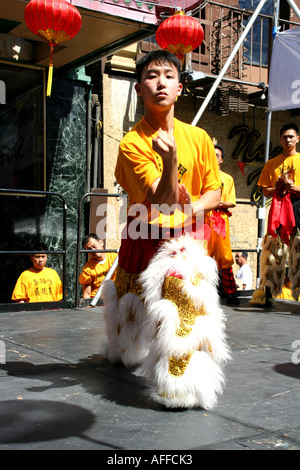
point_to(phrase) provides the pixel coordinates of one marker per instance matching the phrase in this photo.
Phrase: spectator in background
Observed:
(244, 274)
(39, 283)
(280, 180)
(219, 243)
(98, 265)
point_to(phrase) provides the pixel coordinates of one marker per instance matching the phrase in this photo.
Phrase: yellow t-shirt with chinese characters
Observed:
(227, 188)
(38, 286)
(94, 272)
(138, 165)
(277, 167)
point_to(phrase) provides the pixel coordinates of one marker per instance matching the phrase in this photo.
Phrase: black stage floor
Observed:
(58, 393)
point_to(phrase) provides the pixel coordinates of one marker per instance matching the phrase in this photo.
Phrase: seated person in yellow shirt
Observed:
(98, 265)
(39, 283)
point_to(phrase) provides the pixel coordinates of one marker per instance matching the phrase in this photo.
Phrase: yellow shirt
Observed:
(138, 165)
(38, 286)
(219, 247)
(277, 166)
(228, 188)
(94, 272)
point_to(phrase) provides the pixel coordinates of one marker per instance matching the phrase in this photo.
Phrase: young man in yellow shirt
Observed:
(219, 245)
(280, 180)
(39, 283)
(162, 310)
(95, 269)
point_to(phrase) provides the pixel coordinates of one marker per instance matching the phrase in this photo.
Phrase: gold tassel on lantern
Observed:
(50, 74)
(55, 21)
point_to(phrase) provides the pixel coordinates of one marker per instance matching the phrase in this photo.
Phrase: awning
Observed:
(107, 26)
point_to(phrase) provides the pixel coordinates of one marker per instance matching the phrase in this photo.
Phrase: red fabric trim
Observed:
(281, 221)
(135, 255)
(218, 223)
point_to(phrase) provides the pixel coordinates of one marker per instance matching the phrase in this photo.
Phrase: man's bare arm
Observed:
(207, 202)
(268, 191)
(86, 291)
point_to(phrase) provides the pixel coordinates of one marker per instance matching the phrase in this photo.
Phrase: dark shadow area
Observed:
(289, 369)
(40, 420)
(26, 421)
(113, 382)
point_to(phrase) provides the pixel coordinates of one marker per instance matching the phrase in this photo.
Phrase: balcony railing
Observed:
(246, 79)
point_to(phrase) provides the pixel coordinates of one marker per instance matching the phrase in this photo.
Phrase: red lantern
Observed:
(55, 21)
(179, 34)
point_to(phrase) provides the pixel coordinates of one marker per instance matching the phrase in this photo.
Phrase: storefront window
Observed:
(22, 139)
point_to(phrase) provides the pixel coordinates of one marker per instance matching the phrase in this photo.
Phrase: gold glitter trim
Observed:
(173, 291)
(187, 312)
(178, 365)
(196, 279)
(126, 282)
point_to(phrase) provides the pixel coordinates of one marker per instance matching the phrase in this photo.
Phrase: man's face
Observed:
(94, 244)
(39, 261)
(289, 139)
(219, 156)
(238, 259)
(159, 85)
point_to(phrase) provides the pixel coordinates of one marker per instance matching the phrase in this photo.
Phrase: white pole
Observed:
(262, 210)
(108, 276)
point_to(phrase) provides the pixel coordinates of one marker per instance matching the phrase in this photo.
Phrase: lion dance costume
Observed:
(170, 323)
(281, 244)
(162, 311)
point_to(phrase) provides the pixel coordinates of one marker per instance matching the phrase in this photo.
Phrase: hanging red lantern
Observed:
(179, 34)
(55, 21)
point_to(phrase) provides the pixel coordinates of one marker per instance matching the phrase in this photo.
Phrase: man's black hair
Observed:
(87, 237)
(219, 147)
(288, 126)
(160, 57)
(38, 248)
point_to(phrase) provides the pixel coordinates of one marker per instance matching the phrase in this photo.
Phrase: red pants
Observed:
(135, 255)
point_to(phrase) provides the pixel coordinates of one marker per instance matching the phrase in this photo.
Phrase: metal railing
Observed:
(223, 27)
(79, 239)
(51, 305)
(38, 305)
(80, 250)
